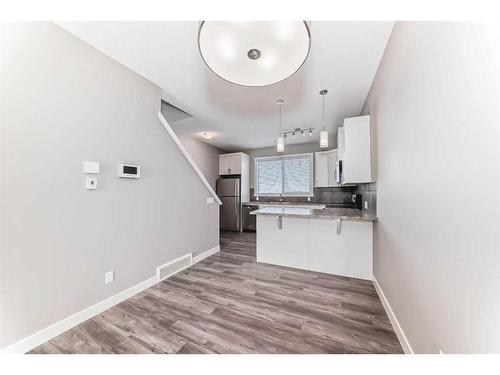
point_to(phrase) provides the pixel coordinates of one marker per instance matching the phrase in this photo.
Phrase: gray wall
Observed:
(64, 102)
(434, 106)
(205, 156)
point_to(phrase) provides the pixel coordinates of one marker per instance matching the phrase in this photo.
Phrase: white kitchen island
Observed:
(333, 240)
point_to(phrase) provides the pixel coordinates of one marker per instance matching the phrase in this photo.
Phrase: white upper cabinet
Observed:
(325, 168)
(353, 140)
(232, 163)
(224, 167)
(237, 163)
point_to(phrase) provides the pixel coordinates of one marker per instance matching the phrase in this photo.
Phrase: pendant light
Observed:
(323, 135)
(280, 144)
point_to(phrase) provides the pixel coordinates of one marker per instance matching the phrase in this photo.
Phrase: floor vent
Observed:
(171, 268)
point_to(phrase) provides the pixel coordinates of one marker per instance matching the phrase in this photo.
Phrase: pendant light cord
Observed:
(281, 106)
(323, 120)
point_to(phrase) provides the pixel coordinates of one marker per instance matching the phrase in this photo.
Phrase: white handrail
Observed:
(188, 157)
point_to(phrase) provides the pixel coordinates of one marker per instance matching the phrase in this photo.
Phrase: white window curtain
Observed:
(290, 175)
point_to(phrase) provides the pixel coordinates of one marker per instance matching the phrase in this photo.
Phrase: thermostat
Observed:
(129, 171)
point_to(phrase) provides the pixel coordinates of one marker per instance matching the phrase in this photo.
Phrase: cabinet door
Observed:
(223, 165)
(332, 163)
(321, 169)
(340, 143)
(356, 162)
(235, 164)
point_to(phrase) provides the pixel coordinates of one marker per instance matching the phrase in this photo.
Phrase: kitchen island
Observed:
(330, 240)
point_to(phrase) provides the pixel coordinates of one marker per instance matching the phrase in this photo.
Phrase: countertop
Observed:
(351, 214)
(285, 204)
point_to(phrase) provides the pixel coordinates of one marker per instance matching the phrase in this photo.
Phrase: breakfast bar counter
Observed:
(330, 240)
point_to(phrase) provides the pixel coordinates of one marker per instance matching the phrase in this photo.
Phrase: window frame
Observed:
(309, 155)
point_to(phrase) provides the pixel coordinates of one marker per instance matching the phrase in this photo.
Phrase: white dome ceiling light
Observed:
(254, 53)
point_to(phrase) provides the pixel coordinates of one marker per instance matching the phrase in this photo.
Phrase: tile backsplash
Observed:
(335, 197)
(369, 194)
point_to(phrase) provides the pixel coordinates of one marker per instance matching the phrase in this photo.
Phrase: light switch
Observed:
(91, 183)
(91, 167)
(210, 200)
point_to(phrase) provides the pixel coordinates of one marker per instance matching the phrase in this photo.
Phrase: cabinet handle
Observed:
(339, 222)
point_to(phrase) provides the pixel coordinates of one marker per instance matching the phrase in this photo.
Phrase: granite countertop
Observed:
(286, 204)
(327, 213)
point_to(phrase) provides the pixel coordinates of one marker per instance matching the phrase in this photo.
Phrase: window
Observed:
(290, 175)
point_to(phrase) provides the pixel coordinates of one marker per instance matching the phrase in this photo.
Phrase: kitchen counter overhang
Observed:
(350, 214)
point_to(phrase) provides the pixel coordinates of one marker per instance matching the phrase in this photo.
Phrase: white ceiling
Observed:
(344, 58)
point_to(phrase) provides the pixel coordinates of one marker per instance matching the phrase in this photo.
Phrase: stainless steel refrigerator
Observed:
(228, 190)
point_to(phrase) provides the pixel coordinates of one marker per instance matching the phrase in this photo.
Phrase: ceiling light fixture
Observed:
(254, 53)
(295, 131)
(323, 135)
(280, 143)
(207, 135)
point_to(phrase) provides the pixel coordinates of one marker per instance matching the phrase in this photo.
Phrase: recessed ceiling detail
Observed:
(254, 53)
(343, 58)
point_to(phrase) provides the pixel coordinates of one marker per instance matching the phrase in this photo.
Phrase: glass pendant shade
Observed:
(323, 139)
(254, 53)
(280, 144)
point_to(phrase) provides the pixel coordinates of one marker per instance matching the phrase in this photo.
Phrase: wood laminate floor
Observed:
(228, 303)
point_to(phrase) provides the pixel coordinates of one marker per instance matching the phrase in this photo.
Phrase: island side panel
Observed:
(349, 253)
(284, 247)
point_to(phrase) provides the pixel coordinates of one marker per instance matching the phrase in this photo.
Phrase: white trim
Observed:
(403, 340)
(38, 338)
(46, 334)
(188, 157)
(206, 254)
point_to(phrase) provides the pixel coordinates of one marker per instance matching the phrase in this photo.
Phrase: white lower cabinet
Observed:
(289, 244)
(348, 253)
(315, 245)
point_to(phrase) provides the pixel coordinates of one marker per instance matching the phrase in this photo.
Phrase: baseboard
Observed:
(46, 334)
(403, 340)
(206, 254)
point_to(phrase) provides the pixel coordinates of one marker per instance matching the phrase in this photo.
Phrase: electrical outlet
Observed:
(366, 205)
(210, 200)
(109, 277)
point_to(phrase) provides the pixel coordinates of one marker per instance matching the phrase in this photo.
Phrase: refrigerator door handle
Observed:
(237, 209)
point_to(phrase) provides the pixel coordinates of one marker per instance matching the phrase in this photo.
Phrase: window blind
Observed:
(289, 175)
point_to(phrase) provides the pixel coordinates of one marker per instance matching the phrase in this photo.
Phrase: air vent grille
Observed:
(168, 269)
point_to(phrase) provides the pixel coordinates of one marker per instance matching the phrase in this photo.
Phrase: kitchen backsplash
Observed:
(369, 194)
(337, 197)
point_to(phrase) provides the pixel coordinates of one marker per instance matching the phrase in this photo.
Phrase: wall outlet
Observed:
(210, 200)
(109, 277)
(366, 205)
